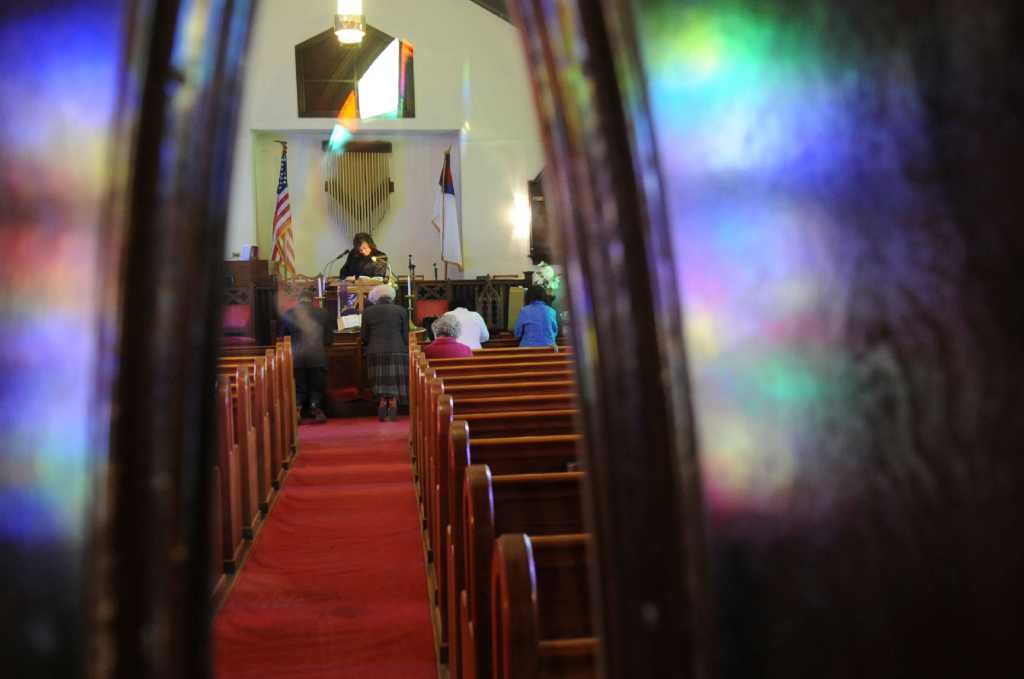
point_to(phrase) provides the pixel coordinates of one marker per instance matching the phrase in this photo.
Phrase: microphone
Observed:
(344, 253)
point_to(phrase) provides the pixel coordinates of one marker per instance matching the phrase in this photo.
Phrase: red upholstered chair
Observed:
(429, 307)
(237, 325)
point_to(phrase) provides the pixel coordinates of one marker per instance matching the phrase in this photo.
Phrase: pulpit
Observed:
(361, 287)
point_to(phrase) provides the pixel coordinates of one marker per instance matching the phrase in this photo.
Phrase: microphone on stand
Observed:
(328, 265)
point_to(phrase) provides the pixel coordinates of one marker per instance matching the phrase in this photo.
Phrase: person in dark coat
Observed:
(363, 259)
(385, 333)
(311, 329)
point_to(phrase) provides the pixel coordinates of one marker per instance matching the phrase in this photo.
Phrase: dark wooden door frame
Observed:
(644, 495)
(148, 601)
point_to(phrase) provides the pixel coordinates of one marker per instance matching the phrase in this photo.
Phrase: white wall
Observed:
(470, 81)
(405, 229)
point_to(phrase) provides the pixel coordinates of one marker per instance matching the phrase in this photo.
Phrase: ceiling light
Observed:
(349, 22)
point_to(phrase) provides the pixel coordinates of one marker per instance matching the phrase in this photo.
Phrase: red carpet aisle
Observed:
(335, 585)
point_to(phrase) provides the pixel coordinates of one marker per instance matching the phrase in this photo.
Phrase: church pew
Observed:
(504, 455)
(529, 360)
(433, 437)
(487, 404)
(554, 362)
(500, 342)
(216, 534)
(486, 399)
(423, 372)
(285, 388)
(540, 608)
(511, 341)
(530, 353)
(237, 378)
(499, 375)
(537, 504)
(424, 383)
(448, 408)
(536, 386)
(516, 350)
(261, 415)
(486, 424)
(487, 375)
(230, 480)
(482, 424)
(293, 409)
(278, 416)
(420, 363)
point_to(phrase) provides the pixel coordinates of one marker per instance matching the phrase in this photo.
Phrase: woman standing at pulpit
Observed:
(385, 334)
(364, 259)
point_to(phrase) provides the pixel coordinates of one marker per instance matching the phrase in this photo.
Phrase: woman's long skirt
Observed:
(389, 375)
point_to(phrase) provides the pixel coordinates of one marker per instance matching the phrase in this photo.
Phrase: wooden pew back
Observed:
(245, 435)
(504, 455)
(261, 416)
(437, 507)
(536, 504)
(230, 479)
(540, 614)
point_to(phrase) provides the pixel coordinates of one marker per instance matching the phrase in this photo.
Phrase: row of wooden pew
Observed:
(495, 445)
(507, 340)
(257, 440)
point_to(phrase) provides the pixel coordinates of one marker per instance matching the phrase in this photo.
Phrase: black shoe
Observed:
(393, 409)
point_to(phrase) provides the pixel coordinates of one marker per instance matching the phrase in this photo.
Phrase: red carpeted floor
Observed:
(335, 585)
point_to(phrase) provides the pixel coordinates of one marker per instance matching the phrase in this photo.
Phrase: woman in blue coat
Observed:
(537, 325)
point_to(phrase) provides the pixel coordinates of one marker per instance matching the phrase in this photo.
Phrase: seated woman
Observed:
(446, 344)
(537, 325)
(385, 334)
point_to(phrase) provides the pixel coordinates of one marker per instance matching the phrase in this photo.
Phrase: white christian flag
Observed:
(446, 215)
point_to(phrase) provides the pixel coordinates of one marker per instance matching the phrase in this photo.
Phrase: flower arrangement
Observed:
(546, 277)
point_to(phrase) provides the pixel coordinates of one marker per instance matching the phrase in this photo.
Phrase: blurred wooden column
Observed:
(149, 590)
(643, 495)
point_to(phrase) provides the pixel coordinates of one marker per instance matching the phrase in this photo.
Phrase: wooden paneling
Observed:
(828, 440)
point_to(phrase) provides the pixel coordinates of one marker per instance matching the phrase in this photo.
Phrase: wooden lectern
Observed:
(360, 288)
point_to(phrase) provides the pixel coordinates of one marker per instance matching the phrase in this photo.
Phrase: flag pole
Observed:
(445, 169)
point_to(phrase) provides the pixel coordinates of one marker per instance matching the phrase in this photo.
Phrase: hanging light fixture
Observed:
(349, 22)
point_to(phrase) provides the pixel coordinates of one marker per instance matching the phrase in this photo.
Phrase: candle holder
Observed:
(410, 298)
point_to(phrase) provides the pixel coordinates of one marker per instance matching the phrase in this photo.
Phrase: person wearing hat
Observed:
(311, 329)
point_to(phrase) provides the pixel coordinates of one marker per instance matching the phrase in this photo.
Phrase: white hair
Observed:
(382, 291)
(446, 326)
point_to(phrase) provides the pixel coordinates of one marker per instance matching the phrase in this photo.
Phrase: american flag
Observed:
(284, 252)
